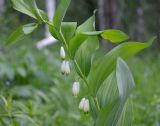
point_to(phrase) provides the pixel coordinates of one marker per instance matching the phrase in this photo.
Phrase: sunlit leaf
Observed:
(29, 8)
(29, 28)
(114, 35)
(26, 7)
(124, 77)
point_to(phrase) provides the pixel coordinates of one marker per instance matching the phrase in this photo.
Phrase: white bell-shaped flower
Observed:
(67, 68)
(75, 88)
(86, 106)
(81, 104)
(63, 67)
(62, 53)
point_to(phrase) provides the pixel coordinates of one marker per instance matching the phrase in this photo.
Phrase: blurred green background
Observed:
(32, 87)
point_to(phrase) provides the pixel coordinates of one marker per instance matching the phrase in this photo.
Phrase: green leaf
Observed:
(84, 54)
(58, 27)
(60, 13)
(103, 67)
(26, 7)
(4, 100)
(22, 72)
(115, 111)
(29, 8)
(93, 108)
(23, 116)
(29, 28)
(79, 38)
(114, 35)
(87, 26)
(126, 115)
(93, 33)
(108, 113)
(107, 99)
(124, 77)
(68, 30)
(21, 32)
(75, 43)
(85, 51)
(53, 32)
(42, 15)
(108, 92)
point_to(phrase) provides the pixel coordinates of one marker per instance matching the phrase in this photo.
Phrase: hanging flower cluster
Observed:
(84, 105)
(62, 53)
(75, 89)
(65, 69)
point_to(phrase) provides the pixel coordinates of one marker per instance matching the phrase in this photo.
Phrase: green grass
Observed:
(146, 70)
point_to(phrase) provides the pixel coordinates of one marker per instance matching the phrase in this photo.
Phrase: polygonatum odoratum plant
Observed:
(108, 78)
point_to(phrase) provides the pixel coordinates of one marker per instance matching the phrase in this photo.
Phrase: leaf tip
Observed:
(95, 11)
(150, 41)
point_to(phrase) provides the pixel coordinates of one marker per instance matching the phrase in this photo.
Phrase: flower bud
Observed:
(63, 67)
(86, 106)
(81, 104)
(75, 88)
(62, 53)
(67, 68)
